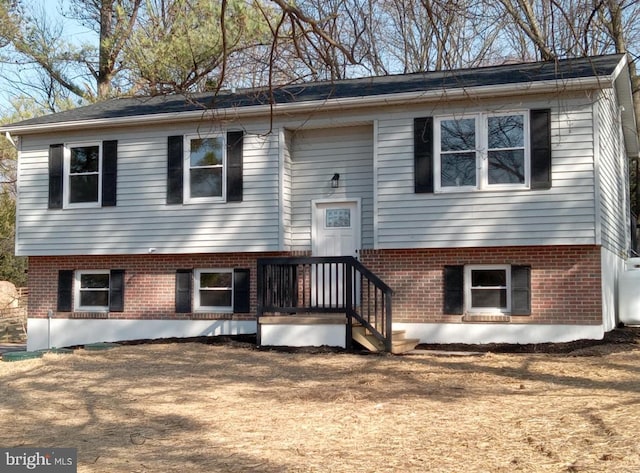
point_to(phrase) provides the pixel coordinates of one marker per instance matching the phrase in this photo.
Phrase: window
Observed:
(481, 151)
(487, 289)
(482, 289)
(83, 166)
(92, 290)
(214, 290)
(83, 174)
(204, 168)
(337, 218)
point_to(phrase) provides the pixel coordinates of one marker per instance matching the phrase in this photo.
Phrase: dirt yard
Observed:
(193, 407)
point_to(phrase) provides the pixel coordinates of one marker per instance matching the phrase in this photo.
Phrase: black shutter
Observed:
(109, 172)
(234, 166)
(116, 290)
(423, 154)
(183, 290)
(56, 176)
(241, 291)
(520, 290)
(453, 290)
(65, 290)
(175, 163)
(541, 149)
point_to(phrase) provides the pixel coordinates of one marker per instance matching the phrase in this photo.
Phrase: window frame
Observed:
(197, 306)
(77, 289)
(481, 152)
(66, 187)
(186, 177)
(468, 307)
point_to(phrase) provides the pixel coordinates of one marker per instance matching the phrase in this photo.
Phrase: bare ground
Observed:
(228, 407)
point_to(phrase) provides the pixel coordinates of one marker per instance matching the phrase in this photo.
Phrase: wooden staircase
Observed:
(399, 342)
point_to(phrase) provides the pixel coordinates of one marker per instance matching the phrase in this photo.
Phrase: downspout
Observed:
(7, 135)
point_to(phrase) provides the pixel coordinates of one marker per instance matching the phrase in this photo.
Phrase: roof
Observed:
(561, 72)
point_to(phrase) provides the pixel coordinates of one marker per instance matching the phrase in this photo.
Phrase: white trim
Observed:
(624, 170)
(314, 208)
(376, 177)
(77, 289)
(597, 194)
(18, 218)
(281, 181)
(481, 333)
(66, 172)
(186, 172)
(196, 291)
(490, 91)
(467, 288)
(71, 332)
(481, 151)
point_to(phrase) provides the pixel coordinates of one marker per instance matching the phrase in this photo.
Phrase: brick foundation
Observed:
(565, 282)
(149, 283)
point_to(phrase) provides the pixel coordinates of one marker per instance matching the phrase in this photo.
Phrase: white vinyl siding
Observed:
(613, 185)
(284, 171)
(564, 214)
(142, 219)
(317, 154)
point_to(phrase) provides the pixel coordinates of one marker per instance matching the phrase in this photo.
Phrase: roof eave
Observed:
(232, 113)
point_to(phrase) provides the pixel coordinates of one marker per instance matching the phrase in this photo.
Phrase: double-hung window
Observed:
(488, 289)
(83, 175)
(482, 151)
(204, 170)
(214, 290)
(92, 291)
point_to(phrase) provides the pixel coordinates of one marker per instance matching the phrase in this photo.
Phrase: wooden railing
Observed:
(303, 285)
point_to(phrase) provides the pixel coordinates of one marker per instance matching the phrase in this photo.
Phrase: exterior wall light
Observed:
(335, 181)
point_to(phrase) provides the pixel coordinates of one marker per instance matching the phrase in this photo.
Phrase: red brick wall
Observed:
(149, 282)
(565, 281)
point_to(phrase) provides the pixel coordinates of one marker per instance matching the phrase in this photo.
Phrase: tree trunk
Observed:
(105, 67)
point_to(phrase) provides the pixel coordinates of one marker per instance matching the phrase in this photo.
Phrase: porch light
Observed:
(335, 180)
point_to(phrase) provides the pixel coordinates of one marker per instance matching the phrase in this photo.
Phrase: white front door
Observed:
(335, 232)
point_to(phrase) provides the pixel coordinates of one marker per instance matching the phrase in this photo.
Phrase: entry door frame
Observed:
(337, 202)
(318, 215)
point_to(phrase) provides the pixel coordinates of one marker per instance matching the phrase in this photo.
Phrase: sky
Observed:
(72, 31)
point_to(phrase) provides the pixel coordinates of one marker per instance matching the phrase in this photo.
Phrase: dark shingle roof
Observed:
(562, 70)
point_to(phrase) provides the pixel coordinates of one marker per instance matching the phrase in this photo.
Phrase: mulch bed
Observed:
(616, 340)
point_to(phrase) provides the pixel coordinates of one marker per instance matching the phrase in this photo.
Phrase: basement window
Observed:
(488, 289)
(214, 290)
(92, 291)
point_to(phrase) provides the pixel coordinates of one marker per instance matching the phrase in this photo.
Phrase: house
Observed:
(486, 205)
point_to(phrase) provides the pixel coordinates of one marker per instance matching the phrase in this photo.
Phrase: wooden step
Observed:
(404, 346)
(368, 341)
(399, 342)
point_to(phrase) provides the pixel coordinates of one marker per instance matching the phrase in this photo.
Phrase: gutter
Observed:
(232, 113)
